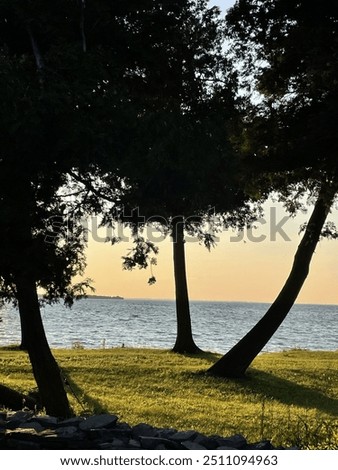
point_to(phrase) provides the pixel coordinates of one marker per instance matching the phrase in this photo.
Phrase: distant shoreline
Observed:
(112, 297)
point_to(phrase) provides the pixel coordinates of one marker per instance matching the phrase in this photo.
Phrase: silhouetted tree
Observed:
(289, 62)
(35, 107)
(52, 119)
(238, 359)
(181, 167)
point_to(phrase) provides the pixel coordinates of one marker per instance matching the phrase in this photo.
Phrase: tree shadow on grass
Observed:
(287, 391)
(205, 355)
(87, 403)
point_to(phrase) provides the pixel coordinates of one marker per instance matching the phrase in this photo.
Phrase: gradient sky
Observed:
(243, 270)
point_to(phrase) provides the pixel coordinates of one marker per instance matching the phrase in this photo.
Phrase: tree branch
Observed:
(90, 187)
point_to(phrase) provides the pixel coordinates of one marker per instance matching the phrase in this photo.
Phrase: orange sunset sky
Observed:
(235, 270)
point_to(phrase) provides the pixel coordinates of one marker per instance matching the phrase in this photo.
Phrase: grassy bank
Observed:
(290, 398)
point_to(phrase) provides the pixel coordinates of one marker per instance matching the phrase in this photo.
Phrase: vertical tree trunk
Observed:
(45, 369)
(238, 359)
(184, 339)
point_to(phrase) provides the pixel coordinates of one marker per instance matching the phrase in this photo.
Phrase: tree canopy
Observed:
(289, 58)
(181, 167)
(288, 54)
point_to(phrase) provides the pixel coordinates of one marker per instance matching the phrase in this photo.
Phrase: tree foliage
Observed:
(181, 166)
(288, 53)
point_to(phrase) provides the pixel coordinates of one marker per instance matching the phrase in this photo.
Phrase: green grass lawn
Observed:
(290, 398)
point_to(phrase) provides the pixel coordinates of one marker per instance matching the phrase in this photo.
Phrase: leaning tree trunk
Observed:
(238, 359)
(184, 339)
(45, 369)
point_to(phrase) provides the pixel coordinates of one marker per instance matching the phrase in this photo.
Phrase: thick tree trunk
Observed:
(238, 359)
(45, 369)
(184, 339)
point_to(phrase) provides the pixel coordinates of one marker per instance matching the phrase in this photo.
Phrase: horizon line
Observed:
(215, 301)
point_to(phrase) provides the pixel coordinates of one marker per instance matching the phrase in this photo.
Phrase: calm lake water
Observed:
(217, 326)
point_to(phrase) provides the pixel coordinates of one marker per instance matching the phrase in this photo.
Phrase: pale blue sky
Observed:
(223, 4)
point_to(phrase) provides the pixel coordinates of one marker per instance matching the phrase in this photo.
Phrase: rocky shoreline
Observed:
(24, 430)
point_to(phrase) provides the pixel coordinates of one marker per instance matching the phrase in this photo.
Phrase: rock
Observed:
(98, 421)
(166, 433)
(117, 443)
(263, 445)
(191, 445)
(67, 431)
(151, 443)
(32, 425)
(106, 446)
(134, 443)
(210, 443)
(16, 419)
(71, 421)
(24, 430)
(46, 421)
(184, 436)
(161, 447)
(145, 430)
(123, 427)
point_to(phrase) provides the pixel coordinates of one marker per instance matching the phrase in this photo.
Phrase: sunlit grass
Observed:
(290, 398)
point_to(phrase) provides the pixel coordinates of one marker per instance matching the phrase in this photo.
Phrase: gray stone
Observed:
(184, 436)
(98, 421)
(134, 443)
(145, 430)
(66, 431)
(106, 446)
(166, 433)
(71, 421)
(14, 420)
(46, 421)
(161, 447)
(191, 445)
(151, 443)
(108, 434)
(117, 443)
(123, 426)
(32, 425)
(210, 443)
(19, 415)
(263, 445)
(21, 430)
